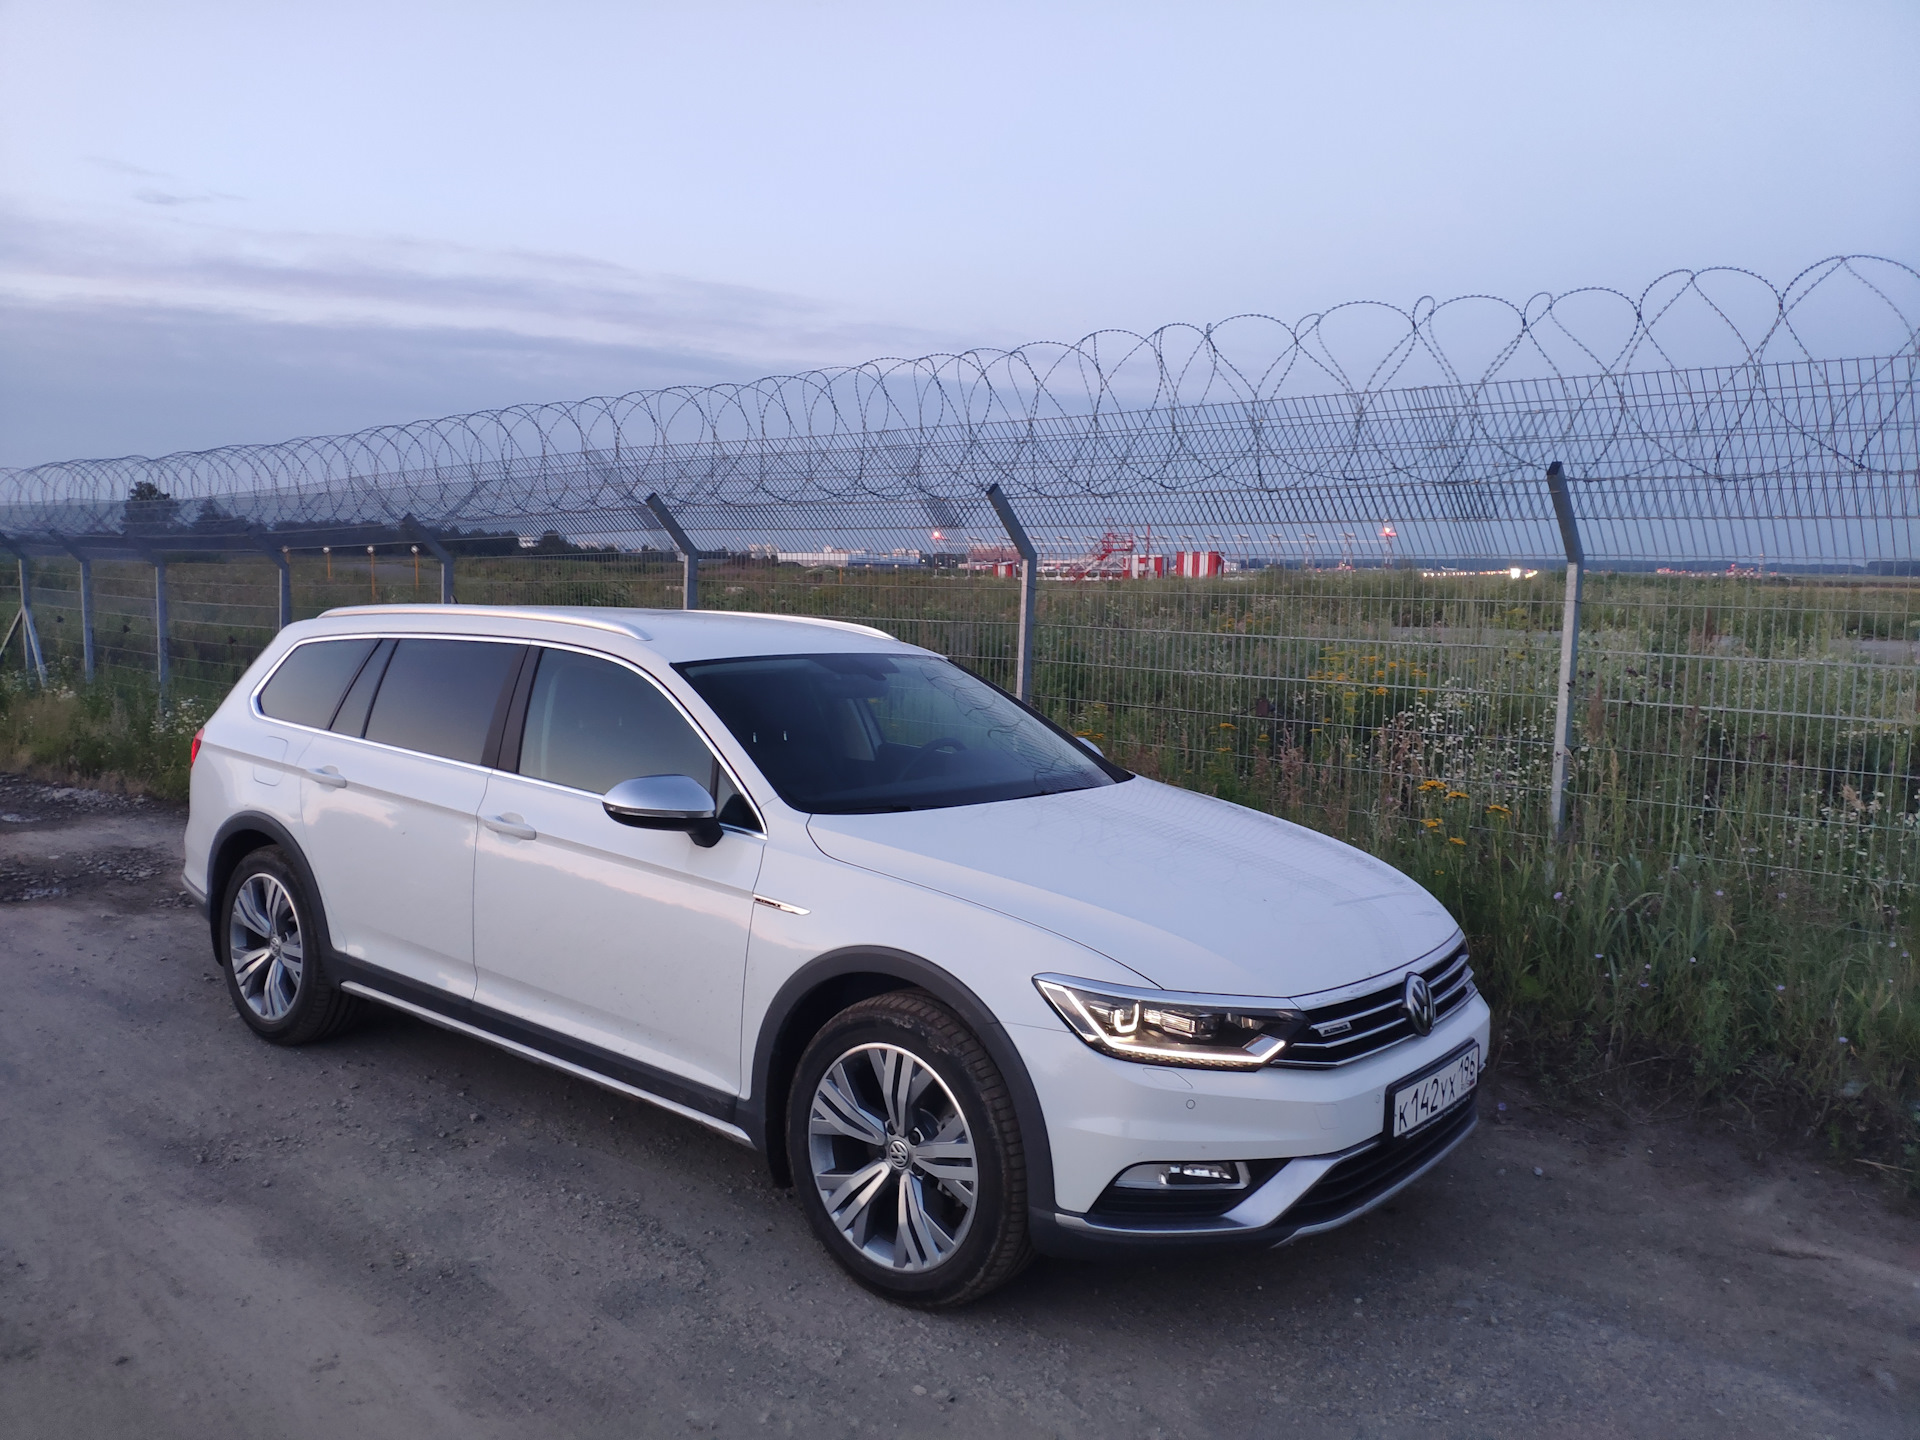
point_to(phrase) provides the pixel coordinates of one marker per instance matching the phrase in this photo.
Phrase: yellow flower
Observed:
(1431, 824)
(1456, 794)
(1229, 727)
(1379, 689)
(1455, 840)
(1433, 784)
(1498, 810)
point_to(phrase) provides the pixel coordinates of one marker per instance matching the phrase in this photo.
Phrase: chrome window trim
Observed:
(253, 705)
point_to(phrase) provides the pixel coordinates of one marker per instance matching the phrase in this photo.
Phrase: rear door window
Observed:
(307, 687)
(444, 697)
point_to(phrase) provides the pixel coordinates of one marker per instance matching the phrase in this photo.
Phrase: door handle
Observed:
(329, 777)
(506, 825)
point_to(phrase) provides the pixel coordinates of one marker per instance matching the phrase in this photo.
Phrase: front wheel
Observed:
(906, 1152)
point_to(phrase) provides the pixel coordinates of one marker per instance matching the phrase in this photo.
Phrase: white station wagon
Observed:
(974, 990)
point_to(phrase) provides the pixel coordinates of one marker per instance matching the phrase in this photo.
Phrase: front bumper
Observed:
(1104, 1115)
(1304, 1197)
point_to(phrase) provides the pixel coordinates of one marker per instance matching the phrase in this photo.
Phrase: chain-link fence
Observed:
(1347, 607)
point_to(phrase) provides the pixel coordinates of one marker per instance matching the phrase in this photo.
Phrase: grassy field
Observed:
(1731, 920)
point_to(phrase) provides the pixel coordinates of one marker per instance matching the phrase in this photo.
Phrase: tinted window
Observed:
(307, 687)
(351, 717)
(592, 723)
(858, 733)
(439, 696)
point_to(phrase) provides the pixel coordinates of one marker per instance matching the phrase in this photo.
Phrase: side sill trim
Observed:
(433, 1017)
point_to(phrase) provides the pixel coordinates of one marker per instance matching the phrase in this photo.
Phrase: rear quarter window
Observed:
(307, 687)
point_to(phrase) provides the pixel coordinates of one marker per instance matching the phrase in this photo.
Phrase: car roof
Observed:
(673, 635)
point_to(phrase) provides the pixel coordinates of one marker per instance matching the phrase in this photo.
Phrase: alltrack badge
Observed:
(1418, 1000)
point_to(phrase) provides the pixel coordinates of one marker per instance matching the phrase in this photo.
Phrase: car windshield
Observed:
(854, 734)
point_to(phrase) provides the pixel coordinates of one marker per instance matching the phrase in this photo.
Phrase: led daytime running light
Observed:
(1219, 1033)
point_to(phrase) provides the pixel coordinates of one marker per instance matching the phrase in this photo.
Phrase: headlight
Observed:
(1164, 1028)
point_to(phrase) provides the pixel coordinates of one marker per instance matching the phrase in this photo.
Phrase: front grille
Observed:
(1376, 1019)
(1358, 1180)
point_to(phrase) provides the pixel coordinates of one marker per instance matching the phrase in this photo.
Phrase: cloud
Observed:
(146, 338)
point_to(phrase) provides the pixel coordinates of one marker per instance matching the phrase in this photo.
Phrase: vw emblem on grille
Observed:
(898, 1153)
(1419, 1002)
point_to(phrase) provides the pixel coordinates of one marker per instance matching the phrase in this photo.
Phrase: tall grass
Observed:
(116, 734)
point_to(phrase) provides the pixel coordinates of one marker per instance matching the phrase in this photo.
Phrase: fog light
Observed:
(1185, 1175)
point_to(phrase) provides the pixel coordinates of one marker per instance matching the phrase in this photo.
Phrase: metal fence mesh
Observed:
(1345, 606)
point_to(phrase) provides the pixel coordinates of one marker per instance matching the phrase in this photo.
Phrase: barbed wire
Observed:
(1355, 413)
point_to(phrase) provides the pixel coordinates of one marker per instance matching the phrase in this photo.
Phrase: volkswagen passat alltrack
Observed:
(972, 989)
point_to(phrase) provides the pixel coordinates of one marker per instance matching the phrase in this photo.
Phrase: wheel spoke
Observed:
(836, 1110)
(850, 1205)
(272, 995)
(920, 1241)
(247, 907)
(247, 965)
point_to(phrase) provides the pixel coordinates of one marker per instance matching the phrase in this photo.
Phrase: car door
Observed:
(389, 797)
(632, 941)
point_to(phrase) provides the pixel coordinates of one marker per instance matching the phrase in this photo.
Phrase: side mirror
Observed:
(1091, 746)
(665, 802)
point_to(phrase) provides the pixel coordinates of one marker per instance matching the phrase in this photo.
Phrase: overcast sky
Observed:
(226, 221)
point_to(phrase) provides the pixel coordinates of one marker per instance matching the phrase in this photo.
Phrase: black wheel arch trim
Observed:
(221, 865)
(777, 1051)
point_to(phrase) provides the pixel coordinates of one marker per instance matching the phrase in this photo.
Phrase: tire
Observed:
(922, 1198)
(268, 947)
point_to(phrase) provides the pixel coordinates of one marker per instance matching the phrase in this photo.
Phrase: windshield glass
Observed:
(850, 734)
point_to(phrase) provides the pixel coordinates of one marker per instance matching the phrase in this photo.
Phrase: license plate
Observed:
(1435, 1093)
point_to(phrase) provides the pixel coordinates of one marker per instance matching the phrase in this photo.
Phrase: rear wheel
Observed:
(275, 973)
(906, 1152)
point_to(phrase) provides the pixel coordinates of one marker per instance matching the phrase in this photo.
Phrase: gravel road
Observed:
(404, 1233)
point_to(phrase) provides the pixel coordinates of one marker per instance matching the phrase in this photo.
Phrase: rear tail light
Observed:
(193, 750)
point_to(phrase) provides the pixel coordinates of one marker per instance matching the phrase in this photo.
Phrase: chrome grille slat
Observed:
(1451, 980)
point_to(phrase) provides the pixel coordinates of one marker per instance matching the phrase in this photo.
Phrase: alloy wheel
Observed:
(892, 1158)
(264, 946)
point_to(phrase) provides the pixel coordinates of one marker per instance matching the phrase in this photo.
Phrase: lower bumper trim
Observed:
(1305, 1197)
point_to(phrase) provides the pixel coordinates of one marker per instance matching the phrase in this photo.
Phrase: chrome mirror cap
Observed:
(660, 802)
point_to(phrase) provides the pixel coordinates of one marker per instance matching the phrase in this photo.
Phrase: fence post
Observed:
(689, 555)
(277, 554)
(31, 657)
(1029, 590)
(86, 603)
(439, 552)
(162, 668)
(1569, 646)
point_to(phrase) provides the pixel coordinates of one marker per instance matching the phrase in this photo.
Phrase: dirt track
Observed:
(405, 1233)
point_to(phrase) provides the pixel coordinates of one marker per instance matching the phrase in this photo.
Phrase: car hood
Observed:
(1190, 892)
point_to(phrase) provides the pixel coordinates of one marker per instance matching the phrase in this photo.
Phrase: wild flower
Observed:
(1498, 810)
(1433, 824)
(1457, 795)
(1455, 840)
